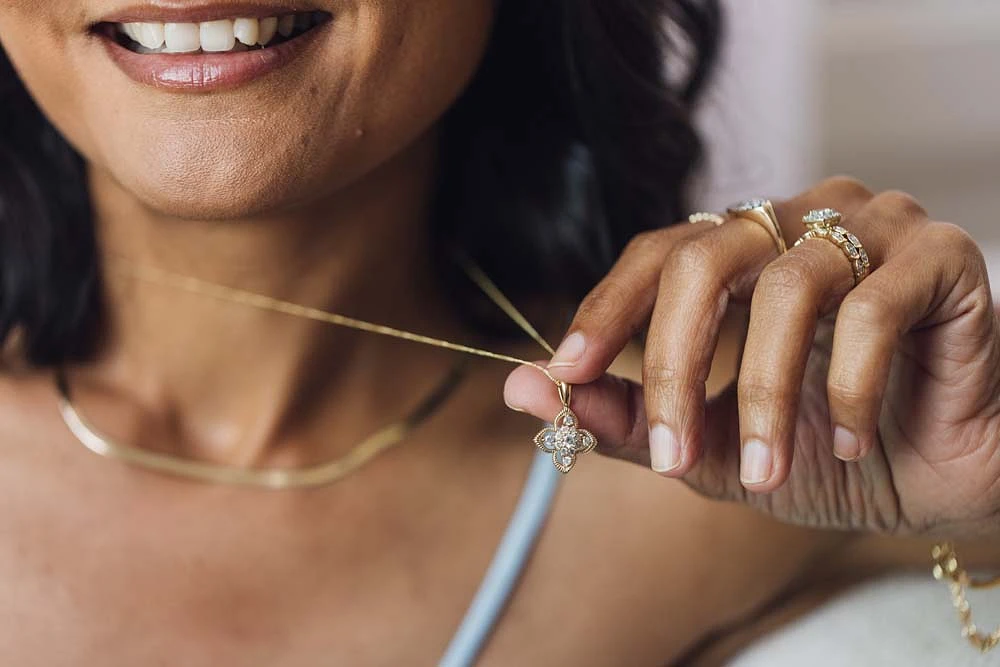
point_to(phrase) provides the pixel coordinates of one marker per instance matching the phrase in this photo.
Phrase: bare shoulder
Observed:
(33, 438)
(27, 404)
(658, 563)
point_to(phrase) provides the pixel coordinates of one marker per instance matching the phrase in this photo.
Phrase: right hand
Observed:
(876, 406)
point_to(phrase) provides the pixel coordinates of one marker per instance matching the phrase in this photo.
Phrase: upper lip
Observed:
(177, 11)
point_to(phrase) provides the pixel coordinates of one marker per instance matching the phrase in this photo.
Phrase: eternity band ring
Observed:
(714, 218)
(825, 224)
(761, 212)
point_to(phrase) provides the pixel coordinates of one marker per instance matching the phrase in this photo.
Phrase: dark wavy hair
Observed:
(571, 139)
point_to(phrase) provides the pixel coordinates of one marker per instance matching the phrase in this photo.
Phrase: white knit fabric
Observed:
(895, 622)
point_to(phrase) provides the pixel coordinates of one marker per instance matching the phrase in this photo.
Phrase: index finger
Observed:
(618, 307)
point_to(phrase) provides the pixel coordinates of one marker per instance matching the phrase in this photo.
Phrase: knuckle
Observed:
(660, 378)
(898, 204)
(603, 302)
(784, 277)
(866, 309)
(953, 238)
(846, 186)
(845, 392)
(694, 257)
(959, 248)
(761, 393)
(671, 392)
(645, 243)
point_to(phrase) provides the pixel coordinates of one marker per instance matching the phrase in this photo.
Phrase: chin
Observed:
(211, 178)
(212, 127)
(207, 201)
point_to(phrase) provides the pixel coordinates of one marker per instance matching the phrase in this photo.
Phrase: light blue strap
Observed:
(509, 560)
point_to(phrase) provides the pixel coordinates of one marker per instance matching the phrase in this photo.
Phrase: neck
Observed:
(237, 384)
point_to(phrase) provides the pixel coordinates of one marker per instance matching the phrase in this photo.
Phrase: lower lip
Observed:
(207, 72)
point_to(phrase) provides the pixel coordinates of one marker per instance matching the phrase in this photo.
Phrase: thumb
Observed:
(611, 408)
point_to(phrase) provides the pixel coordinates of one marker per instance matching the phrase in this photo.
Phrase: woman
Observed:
(330, 154)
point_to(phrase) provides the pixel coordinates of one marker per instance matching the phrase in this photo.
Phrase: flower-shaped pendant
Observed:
(565, 440)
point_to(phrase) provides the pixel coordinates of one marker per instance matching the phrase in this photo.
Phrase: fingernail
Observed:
(846, 445)
(664, 449)
(757, 463)
(506, 398)
(514, 407)
(570, 351)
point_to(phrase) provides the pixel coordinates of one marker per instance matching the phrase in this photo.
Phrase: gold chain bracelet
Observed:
(948, 570)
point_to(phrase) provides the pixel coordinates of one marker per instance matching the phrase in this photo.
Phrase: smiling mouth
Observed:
(233, 35)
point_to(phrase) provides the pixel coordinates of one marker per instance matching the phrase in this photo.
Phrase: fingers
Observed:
(694, 273)
(699, 277)
(621, 304)
(618, 307)
(681, 281)
(611, 408)
(793, 292)
(916, 284)
(786, 305)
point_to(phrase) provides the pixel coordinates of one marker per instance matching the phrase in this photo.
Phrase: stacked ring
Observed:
(714, 218)
(825, 224)
(761, 212)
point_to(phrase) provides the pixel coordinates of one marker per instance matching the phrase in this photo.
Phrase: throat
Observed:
(234, 384)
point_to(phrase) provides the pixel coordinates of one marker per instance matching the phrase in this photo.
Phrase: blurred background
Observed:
(903, 94)
(900, 93)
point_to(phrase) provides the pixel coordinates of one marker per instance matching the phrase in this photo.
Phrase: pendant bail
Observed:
(565, 393)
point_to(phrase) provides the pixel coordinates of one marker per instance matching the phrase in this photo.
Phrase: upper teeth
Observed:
(212, 36)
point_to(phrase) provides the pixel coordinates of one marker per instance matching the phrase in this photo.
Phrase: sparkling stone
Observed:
(568, 420)
(852, 252)
(566, 457)
(823, 216)
(550, 440)
(748, 205)
(853, 239)
(838, 237)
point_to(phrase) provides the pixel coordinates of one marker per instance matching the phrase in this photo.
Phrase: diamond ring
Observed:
(760, 211)
(825, 224)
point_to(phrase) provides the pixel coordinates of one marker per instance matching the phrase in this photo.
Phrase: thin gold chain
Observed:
(948, 569)
(263, 302)
(294, 478)
(490, 289)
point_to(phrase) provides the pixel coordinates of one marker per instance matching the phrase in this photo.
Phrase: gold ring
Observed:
(714, 218)
(825, 224)
(762, 212)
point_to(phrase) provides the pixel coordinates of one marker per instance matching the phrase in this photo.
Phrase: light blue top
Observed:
(508, 562)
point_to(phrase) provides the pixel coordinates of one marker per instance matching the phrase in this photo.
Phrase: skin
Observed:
(248, 188)
(854, 436)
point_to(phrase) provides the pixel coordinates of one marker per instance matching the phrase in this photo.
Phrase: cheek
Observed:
(38, 45)
(412, 61)
(419, 55)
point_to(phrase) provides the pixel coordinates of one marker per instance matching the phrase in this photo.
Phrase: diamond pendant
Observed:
(564, 439)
